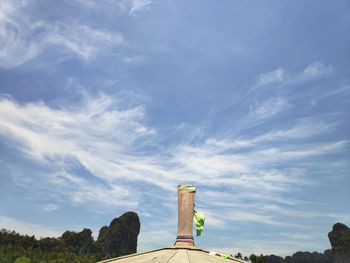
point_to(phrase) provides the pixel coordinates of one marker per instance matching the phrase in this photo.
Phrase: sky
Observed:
(106, 106)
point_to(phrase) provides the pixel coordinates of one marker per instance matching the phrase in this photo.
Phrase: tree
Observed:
(258, 259)
(239, 255)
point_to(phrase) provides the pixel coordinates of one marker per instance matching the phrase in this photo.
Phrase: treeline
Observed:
(72, 247)
(24, 249)
(117, 239)
(252, 258)
(339, 238)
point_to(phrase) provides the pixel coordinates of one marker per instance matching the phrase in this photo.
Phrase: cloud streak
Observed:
(29, 228)
(23, 37)
(111, 145)
(101, 153)
(125, 6)
(108, 105)
(274, 76)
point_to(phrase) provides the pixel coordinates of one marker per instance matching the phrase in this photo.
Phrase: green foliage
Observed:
(239, 255)
(258, 259)
(120, 238)
(27, 249)
(23, 260)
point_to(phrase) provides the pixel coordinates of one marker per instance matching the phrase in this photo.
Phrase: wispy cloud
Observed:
(266, 109)
(15, 33)
(97, 136)
(137, 5)
(82, 40)
(103, 146)
(134, 60)
(341, 92)
(50, 207)
(108, 106)
(315, 70)
(259, 218)
(268, 247)
(274, 76)
(125, 6)
(274, 92)
(111, 144)
(23, 36)
(158, 237)
(281, 77)
(10, 223)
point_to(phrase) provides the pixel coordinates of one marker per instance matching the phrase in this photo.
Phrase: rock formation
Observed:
(120, 238)
(301, 257)
(288, 259)
(328, 256)
(339, 238)
(81, 242)
(308, 257)
(117, 239)
(275, 259)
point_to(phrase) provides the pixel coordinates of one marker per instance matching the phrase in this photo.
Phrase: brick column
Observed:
(185, 195)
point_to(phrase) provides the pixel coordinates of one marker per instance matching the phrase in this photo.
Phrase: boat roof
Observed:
(174, 255)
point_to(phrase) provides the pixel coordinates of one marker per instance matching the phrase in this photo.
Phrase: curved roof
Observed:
(173, 255)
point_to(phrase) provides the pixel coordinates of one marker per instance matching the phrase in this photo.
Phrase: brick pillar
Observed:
(185, 195)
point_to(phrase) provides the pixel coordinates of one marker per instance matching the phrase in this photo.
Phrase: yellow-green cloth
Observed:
(225, 256)
(198, 219)
(187, 187)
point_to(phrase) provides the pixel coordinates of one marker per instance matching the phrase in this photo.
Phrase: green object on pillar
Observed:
(187, 187)
(198, 219)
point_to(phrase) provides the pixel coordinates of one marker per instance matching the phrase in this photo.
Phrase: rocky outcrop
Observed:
(120, 238)
(328, 256)
(300, 257)
(339, 238)
(78, 242)
(307, 257)
(274, 259)
(117, 239)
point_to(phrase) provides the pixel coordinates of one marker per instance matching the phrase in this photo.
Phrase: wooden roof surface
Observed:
(173, 255)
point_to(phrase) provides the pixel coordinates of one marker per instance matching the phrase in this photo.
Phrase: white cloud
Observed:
(83, 40)
(98, 155)
(133, 60)
(109, 143)
(150, 239)
(268, 247)
(39, 231)
(15, 32)
(50, 207)
(315, 70)
(305, 128)
(266, 109)
(23, 37)
(97, 136)
(137, 5)
(258, 218)
(341, 92)
(80, 191)
(124, 6)
(270, 77)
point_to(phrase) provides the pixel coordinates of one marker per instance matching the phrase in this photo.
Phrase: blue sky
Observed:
(106, 106)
